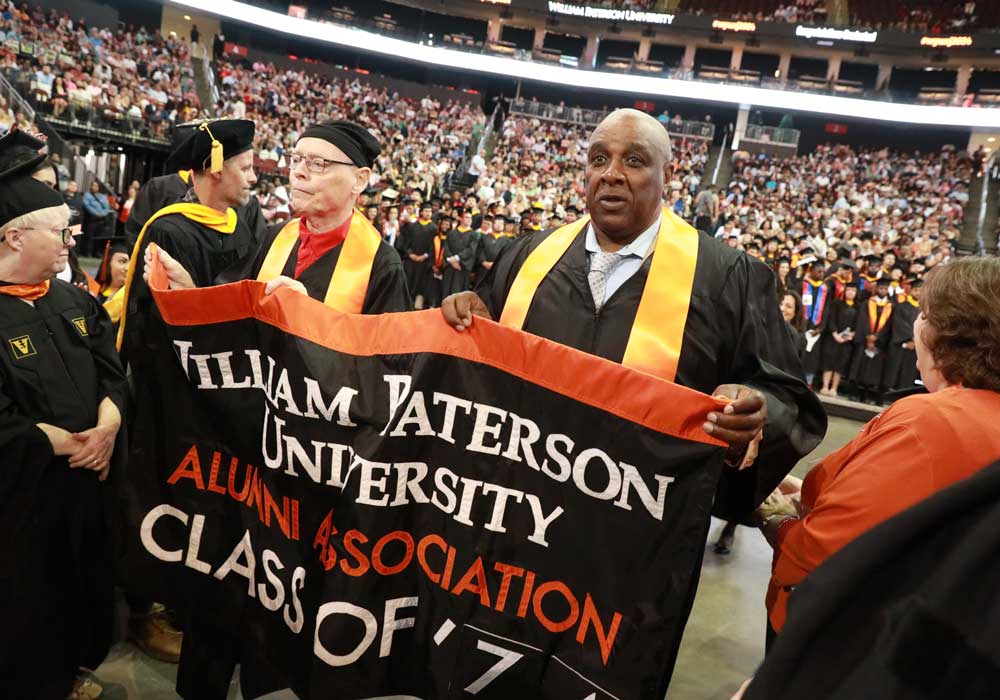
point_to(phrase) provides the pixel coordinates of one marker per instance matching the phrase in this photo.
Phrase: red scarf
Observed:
(28, 292)
(313, 246)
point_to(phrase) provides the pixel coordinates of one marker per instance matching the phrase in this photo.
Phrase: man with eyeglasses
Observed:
(330, 251)
(62, 397)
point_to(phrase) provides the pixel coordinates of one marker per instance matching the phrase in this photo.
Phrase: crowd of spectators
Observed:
(129, 79)
(423, 140)
(793, 11)
(926, 16)
(836, 194)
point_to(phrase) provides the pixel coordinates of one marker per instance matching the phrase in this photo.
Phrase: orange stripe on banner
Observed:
(634, 396)
(349, 281)
(654, 343)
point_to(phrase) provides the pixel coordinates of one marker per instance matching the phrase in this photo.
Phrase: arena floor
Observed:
(723, 642)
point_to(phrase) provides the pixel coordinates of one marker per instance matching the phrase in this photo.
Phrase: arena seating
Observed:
(134, 81)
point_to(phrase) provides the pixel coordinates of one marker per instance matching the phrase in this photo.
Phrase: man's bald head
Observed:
(628, 161)
(640, 122)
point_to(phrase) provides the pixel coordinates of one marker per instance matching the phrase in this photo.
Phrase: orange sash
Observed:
(28, 292)
(439, 252)
(349, 281)
(876, 321)
(654, 343)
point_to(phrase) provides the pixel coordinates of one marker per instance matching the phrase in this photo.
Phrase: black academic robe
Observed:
(817, 300)
(464, 244)
(734, 334)
(387, 289)
(162, 191)
(866, 287)
(867, 371)
(901, 364)
(836, 356)
(901, 612)
(56, 538)
(417, 239)
(490, 247)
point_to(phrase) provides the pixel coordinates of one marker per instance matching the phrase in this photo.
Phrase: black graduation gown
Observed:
(837, 356)
(387, 289)
(417, 238)
(820, 301)
(464, 244)
(798, 340)
(490, 247)
(900, 612)
(901, 364)
(734, 334)
(867, 371)
(56, 538)
(153, 196)
(170, 189)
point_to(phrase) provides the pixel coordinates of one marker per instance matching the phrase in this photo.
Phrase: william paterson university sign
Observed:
(610, 14)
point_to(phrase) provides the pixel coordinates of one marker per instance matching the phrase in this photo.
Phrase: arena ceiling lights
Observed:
(599, 80)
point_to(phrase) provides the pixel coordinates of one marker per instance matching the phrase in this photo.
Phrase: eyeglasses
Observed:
(315, 164)
(66, 234)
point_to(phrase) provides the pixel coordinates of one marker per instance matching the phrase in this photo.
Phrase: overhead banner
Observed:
(367, 507)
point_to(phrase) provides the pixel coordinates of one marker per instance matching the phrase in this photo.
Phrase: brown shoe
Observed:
(155, 634)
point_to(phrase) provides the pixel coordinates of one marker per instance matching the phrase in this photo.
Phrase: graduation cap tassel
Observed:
(102, 275)
(217, 157)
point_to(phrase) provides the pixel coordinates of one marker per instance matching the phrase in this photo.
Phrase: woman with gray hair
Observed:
(62, 396)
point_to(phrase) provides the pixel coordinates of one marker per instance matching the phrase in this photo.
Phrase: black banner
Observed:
(382, 506)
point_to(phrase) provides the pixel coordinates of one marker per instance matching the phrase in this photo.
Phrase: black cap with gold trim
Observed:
(211, 143)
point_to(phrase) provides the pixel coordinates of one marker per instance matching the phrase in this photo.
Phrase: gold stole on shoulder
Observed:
(198, 213)
(349, 281)
(654, 343)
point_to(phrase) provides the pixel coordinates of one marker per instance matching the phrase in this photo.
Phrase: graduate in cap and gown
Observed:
(461, 254)
(171, 188)
(492, 244)
(635, 284)
(203, 233)
(901, 363)
(62, 398)
(838, 339)
(111, 277)
(817, 298)
(871, 340)
(331, 251)
(415, 246)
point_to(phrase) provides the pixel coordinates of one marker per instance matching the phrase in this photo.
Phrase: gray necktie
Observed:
(601, 266)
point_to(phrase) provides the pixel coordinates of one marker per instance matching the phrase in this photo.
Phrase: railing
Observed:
(593, 117)
(772, 134)
(14, 99)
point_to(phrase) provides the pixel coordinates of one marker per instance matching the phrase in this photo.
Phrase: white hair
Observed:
(39, 217)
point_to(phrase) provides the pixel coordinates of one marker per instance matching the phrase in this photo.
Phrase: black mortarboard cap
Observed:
(110, 249)
(354, 140)
(22, 194)
(19, 153)
(915, 282)
(211, 143)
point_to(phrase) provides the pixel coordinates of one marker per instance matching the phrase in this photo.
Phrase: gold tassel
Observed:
(217, 157)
